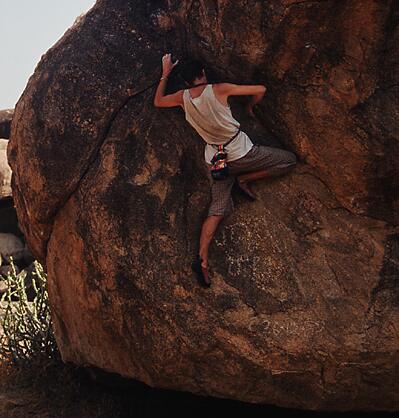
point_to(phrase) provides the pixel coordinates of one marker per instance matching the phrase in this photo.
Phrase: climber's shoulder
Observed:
(230, 89)
(170, 100)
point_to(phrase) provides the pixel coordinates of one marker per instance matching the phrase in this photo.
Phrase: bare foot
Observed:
(244, 186)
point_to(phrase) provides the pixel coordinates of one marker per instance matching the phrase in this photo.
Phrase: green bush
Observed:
(25, 327)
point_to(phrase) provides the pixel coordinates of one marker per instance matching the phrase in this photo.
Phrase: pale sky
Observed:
(28, 28)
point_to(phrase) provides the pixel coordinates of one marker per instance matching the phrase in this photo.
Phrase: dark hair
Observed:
(191, 70)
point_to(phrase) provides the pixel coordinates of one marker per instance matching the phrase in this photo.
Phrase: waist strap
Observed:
(228, 142)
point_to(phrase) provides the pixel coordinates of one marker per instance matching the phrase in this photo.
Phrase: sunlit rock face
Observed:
(111, 193)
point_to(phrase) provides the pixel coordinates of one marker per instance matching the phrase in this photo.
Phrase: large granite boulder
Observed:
(111, 192)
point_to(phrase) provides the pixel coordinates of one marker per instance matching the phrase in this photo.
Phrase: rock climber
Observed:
(208, 112)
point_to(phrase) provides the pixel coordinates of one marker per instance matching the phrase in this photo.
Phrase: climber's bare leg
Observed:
(208, 231)
(244, 179)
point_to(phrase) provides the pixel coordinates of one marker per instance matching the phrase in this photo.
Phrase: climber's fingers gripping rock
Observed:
(167, 65)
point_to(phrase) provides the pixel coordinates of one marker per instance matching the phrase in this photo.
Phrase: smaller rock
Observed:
(3, 287)
(10, 245)
(5, 171)
(4, 270)
(5, 122)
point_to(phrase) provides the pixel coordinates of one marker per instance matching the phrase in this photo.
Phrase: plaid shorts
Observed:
(277, 161)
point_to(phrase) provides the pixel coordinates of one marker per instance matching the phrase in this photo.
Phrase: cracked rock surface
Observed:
(111, 192)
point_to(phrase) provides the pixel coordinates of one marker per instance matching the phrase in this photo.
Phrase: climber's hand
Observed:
(167, 65)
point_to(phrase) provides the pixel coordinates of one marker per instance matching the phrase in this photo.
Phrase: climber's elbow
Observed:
(263, 89)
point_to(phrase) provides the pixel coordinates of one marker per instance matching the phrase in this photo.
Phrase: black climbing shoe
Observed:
(201, 272)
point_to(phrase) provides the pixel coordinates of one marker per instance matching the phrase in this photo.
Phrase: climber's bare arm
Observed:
(224, 90)
(170, 100)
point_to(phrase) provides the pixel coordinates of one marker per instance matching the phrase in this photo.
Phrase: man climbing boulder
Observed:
(304, 297)
(230, 154)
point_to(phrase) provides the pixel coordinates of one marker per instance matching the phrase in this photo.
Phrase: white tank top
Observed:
(215, 124)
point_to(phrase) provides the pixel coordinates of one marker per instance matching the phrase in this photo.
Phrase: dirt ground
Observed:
(53, 389)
